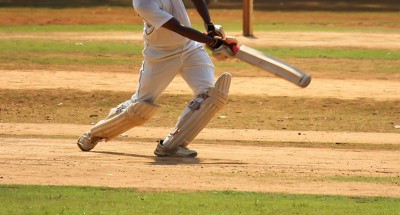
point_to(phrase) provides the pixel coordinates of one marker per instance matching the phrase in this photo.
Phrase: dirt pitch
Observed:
(46, 154)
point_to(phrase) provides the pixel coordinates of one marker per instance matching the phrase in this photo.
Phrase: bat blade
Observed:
(277, 67)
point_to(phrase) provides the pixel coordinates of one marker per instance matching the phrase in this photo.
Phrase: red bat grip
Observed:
(235, 49)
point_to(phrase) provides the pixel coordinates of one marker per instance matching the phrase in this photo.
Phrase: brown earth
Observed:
(242, 166)
(30, 156)
(269, 86)
(219, 167)
(126, 15)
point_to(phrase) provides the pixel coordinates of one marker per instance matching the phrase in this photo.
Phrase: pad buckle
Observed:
(194, 105)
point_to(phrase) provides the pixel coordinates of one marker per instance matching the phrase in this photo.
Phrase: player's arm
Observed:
(213, 43)
(174, 25)
(203, 11)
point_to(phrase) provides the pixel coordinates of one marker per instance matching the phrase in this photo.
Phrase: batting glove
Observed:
(214, 30)
(223, 49)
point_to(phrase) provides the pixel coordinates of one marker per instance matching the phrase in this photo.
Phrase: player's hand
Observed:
(214, 30)
(223, 49)
(218, 42)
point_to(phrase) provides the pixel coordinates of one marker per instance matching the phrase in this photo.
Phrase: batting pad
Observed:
(193, 122)
(135, 115)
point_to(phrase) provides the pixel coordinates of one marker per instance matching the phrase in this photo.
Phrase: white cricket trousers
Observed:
(195, 67)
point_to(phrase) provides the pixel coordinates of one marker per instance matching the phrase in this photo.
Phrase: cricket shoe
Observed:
(180, 151)
(87, 143)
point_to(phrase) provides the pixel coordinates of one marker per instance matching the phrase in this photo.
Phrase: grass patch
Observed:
(130, 48)
(20, 199)
(332, 53)
(48, 46)
(348, 68)
(317, 114)
(120, 55)
(72, 28)
(85, 55)
(19, 54)
(228, 26)
(368, 179)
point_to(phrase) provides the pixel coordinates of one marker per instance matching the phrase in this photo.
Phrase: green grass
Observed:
(228, 26)
(72, 28)
(138, 28)
(339, 63)
(49, 46)
(332, 53)
(20, 199)
(70, 53)
(124, 55)
(128, 48)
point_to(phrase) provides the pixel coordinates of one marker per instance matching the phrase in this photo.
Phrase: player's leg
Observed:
(109, 128)
(153, 79)
(198, 72)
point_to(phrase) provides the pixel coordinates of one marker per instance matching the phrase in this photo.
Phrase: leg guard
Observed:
(116, 124)
(199, 115)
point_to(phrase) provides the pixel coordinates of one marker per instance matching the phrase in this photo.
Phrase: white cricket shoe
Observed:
(178, 152)
(87, 143)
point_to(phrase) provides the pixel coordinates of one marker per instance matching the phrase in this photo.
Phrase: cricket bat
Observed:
(273, 65)
(263, 61)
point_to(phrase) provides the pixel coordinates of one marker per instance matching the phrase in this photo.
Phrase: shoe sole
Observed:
(83, 149)
(161, 154)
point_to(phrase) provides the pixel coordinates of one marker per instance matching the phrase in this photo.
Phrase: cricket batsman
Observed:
(171, 47)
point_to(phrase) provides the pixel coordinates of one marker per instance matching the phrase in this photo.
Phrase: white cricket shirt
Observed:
(160, 42)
